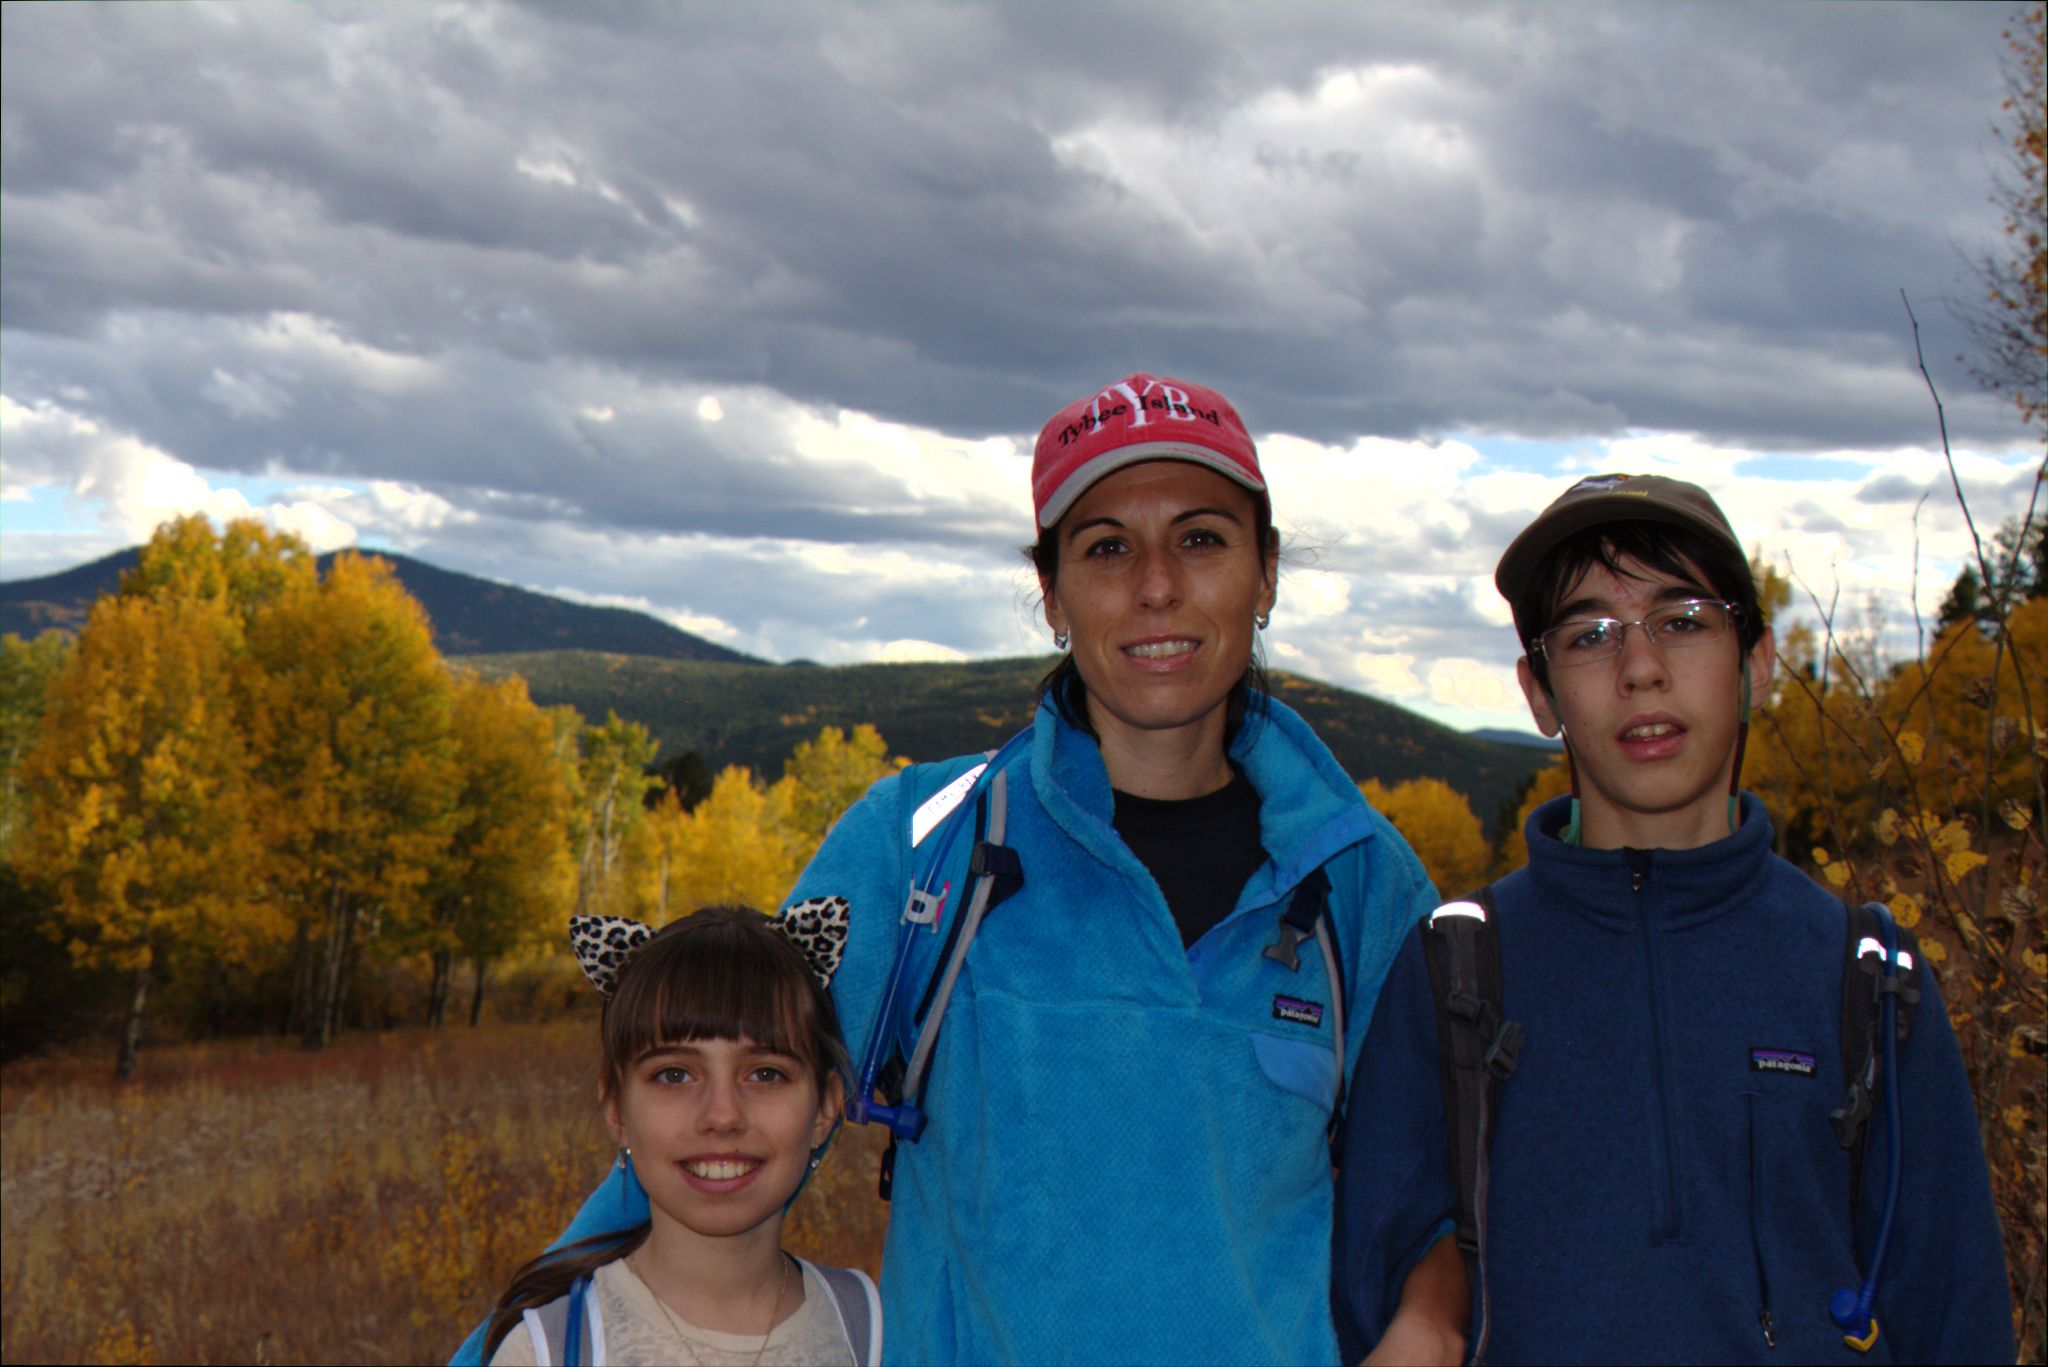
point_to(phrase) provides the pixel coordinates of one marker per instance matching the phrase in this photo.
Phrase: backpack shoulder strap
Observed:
(859, 1307)
(997, 873)
(1477, 1049)
(1864, 988)
(562, 1322)
(546, 1334)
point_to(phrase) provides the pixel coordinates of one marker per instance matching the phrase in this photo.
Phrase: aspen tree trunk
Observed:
(299, 1008)
(131, 1030)
(320, 1018)
(337, 988)
(476, 1002)
(437, 996)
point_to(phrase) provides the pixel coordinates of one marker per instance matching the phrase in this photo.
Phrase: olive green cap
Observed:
(1598, 499)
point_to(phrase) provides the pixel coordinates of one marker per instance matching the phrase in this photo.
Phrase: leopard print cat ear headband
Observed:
(816, 926)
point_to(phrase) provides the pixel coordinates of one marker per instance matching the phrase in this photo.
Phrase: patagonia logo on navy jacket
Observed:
(1781, 1061)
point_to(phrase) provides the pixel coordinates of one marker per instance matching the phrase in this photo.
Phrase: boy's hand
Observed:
(1436, 1302)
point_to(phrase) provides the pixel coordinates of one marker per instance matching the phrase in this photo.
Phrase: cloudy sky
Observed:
(748, 315)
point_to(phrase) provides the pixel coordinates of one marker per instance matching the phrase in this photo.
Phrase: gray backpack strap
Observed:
(977, 907)
(859, 1307)
(549, 1326)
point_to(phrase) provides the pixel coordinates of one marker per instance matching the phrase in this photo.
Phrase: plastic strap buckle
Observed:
(1505, 1052)
(1850, 1117)
(1286, 945)
(999, 861)
(925, 908)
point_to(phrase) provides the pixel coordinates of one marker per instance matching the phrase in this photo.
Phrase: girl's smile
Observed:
(721, 1131)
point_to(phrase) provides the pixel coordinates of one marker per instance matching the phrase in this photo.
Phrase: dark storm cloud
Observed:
(1672, 217)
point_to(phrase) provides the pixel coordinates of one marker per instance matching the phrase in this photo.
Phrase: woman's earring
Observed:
(625, 1155)
(1059, 640)
(1262, 620)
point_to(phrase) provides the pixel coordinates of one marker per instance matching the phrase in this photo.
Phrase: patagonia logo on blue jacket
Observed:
(1781, 1061)
(1295, 1009)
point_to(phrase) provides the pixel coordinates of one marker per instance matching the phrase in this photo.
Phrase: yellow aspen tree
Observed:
(244, 566)
(737, 847)
(1552, 780)
(351, 726)
(26, 669)
(656, 858)
(612, 787)
(506, 877)
(1437, 822)
(140, 800)
(827, 775)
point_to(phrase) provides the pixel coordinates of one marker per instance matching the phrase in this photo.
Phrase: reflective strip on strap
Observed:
(1870, 944)
(1471, 909)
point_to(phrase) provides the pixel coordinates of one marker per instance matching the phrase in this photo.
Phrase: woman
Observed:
(1125, 1150)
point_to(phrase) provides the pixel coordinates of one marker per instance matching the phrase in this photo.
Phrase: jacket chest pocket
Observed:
(1306, 1067)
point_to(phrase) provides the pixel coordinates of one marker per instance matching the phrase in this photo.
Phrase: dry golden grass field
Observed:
(249, 1202)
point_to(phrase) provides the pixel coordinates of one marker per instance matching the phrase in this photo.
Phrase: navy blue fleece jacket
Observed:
(1654, 1192)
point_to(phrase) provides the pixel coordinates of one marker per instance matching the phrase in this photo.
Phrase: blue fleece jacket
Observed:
(1653, 1191)
(1125, 1158)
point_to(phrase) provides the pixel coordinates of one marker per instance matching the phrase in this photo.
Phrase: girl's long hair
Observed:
(722, 973)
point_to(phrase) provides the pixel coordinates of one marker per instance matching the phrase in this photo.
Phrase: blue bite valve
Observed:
(904, 1120)
(1851, 1314)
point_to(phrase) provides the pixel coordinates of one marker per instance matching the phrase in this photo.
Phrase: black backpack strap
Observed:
(1477, 1049)
(1864, 987)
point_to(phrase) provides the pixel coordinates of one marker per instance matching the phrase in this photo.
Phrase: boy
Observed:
(1665, 1183)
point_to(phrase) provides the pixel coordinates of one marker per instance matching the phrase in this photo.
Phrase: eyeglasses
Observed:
(1676, 626)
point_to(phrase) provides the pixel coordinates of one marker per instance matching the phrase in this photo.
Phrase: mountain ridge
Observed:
(730, 708)
(471, 615)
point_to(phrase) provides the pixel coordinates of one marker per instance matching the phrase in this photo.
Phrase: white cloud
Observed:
(907, 651)
(1389, 674)
(131, 485)
(313, 524)
(1471, 686)
(696, 623)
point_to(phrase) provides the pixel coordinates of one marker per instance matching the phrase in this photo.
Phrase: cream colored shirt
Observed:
(637, 1332)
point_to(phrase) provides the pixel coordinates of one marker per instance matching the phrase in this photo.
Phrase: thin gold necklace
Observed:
(690, 1344)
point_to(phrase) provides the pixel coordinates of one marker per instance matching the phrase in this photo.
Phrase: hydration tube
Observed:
(923, 908)
(1850, 1306)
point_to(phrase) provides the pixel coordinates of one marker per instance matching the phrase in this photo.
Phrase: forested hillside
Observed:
(738, 715)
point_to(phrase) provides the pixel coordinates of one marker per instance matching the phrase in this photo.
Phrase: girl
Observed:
(722, 1079)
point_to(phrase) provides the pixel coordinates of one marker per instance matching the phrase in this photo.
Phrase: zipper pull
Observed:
(1763, 1317)
(1638, 867)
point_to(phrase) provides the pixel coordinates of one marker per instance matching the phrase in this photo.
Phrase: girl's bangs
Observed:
(711, 986)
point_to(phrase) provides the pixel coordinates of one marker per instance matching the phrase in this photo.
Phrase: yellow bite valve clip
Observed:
(1850, 1310)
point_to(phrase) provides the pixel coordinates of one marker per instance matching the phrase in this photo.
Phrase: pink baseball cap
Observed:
(1143, 417)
